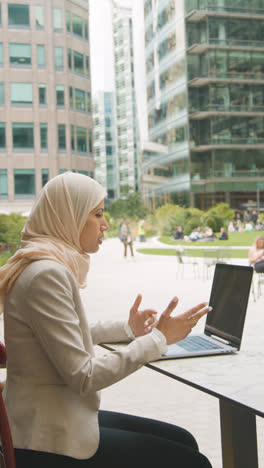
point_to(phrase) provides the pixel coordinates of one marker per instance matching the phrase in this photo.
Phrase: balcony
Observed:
(232, 174)
(226, 142)
(212, 43)
(210, 110)
(256, 77)
(197, 10)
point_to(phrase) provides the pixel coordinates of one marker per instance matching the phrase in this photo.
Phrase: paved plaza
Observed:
(113, 284)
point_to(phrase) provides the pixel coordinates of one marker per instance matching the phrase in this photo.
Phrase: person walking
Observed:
(126, 237)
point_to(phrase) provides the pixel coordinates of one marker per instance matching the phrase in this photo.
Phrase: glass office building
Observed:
(45, 96)
(205, 75)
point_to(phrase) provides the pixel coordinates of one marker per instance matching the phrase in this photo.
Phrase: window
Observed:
(3, 184)
(60, 95)
(68, 21)
(42, 94)
(2, 136)
(0, 15)
(57, 19)
(77, 25)
(90, 141)
(69, 59)
(78, 62)
(61, 137)
(71, 96)
(44, 176)
(18, 15)
(41, 55)
(89, 104)
(21, 94)
(109, 150)
(81, 139)
(87, 70)
(58, 58)
(39, 17)
(1, 54)
(24, 182)
(44, 136)
(83, 172)
(23, 136)
(2, 94)
(72, 138)
(79, 100)
(86, 33)
(20, 54)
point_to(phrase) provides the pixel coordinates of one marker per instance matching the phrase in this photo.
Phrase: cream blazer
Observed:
(52, 394)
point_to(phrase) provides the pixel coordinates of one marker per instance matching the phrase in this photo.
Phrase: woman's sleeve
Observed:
(109, 332)
(51, 314)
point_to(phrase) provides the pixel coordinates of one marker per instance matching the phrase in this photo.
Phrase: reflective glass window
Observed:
(68, 21)
(79, 99)
(23, 136)
(24, 183)
(41, 55)
(69, 59)
(58, 57)
(18, 15)
(61, 137)
(87, 64)
(2, 135)
(78, 62)
(0, 14)
(86, 30)
(3, 184)
(90, 141)
(81, 137)
(71, 96)
(60, 95)
(1, 53)
(21, 93)
(72, 138)
(2, 93)
(42, 94)
(57, 19)
(44, 136)
(20, 54)
(39, 17)
(77, 25)
(44, 176)
(89, 104)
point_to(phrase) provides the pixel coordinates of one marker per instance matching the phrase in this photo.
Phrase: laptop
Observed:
(224, 324)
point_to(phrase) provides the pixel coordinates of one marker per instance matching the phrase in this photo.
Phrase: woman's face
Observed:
(93, 231)
(260, 244)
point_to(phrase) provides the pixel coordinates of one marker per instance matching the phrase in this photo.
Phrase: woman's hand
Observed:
(141, 321)
(177, 328)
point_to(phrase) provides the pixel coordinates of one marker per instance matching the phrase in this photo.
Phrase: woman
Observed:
(256, 254)
(126, 237)
(52, 392)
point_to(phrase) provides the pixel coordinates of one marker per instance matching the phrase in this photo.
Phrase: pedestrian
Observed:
(141, 231)
(54, 377)
(126, 237)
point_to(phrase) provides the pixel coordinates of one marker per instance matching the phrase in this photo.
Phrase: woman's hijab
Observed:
(53, 228)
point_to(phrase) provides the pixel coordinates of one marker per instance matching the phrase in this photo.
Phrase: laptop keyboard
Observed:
(196, 343)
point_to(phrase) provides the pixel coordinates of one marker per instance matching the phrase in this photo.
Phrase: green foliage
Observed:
(218, 216)
(10, 230)
(130, 206)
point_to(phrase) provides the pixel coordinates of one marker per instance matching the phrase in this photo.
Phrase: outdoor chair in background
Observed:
(257, 282)
(185, 257)
(224, 255)
(7, 455)
(210, 258)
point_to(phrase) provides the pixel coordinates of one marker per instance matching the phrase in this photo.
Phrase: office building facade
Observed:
(205, 76)
(45, 96)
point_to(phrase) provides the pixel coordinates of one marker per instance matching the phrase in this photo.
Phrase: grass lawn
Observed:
(235, 239)
(237, 253)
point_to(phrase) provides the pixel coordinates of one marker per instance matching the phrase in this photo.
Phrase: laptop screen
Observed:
(229, 299)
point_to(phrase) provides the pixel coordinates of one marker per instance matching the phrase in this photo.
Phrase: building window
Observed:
(39, 17)
(18, 15)
(23, 137)
(42, 94)
(109, 150)
(0, 15)
(79, 100)
(90, 138)
(69, 59)
(72, 138)
(87, 69)
(44, 176)
(2, 94)
(71, 96)
(60, 95)
(21, 94)
(41, 56)
(24, 181)
(77, 25)
(83, 172)
(44, 137)
(61, 137)
(57, 19)
(20, 54)
(81, 139)
(78, 62)
(3, 184)
(86, 33)
(58, 58)
(1, 54)
(68, 21)
(89, 103)
(2, 136)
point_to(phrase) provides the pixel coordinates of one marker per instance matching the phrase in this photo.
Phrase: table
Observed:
(238, 382)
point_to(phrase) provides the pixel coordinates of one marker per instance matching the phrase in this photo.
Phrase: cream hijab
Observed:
(53, 228)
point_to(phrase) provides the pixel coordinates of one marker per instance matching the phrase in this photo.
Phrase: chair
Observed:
(224, 255)
(210, 258)
(7, 454)
(185, 257)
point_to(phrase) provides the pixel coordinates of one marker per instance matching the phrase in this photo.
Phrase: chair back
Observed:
(7, 454)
